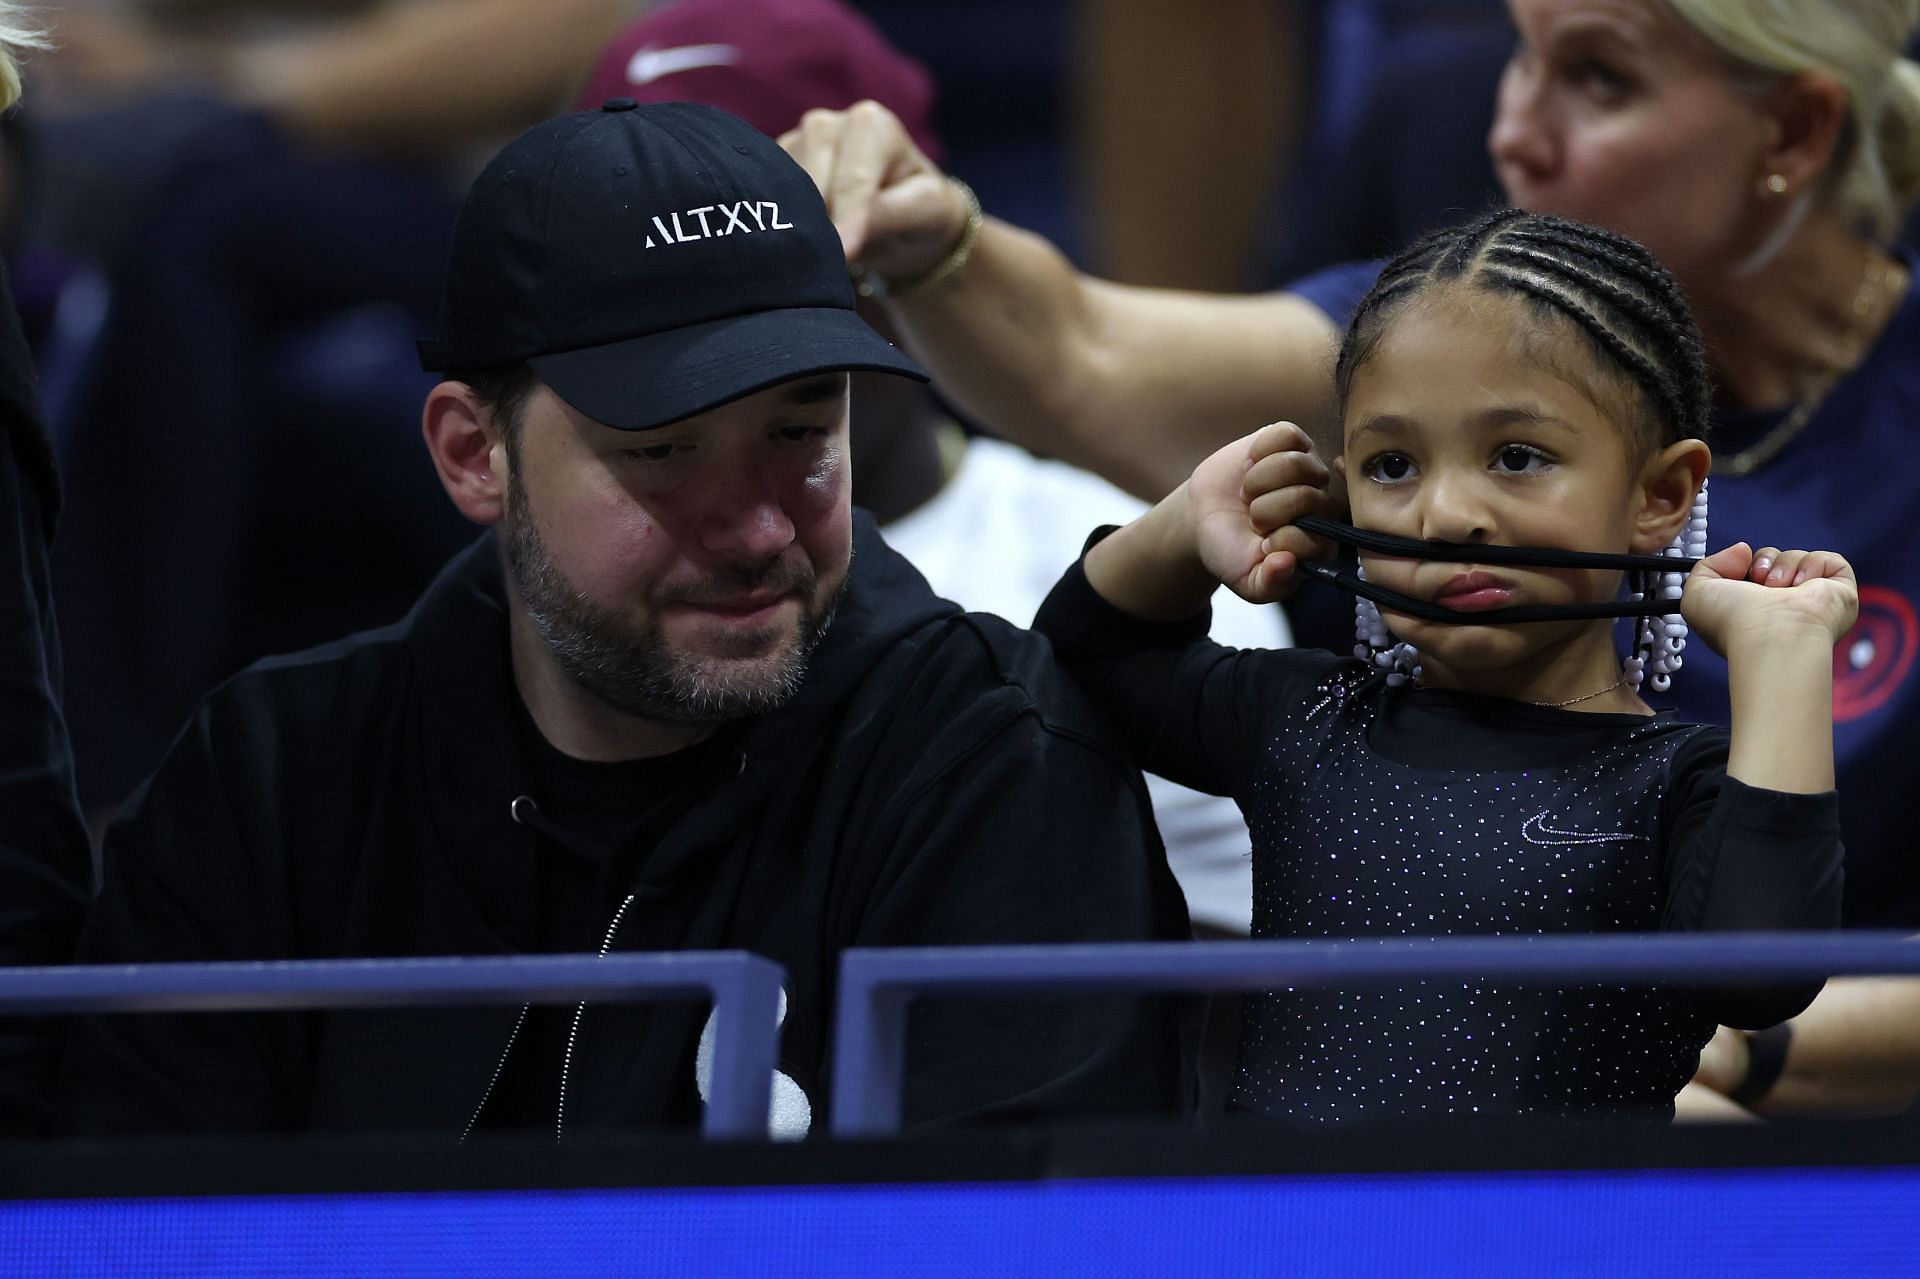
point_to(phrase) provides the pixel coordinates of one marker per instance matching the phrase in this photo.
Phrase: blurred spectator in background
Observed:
(45, 869)
(1322, 131)
(1395, 145)
(1319, 130)
(990, 525)
(235, 218)
(410, 77)
(1215, 95)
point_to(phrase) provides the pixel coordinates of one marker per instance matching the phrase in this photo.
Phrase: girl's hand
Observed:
(1243, 501)
(1738, 594)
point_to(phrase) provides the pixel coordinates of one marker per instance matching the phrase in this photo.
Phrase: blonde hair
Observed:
(1858, 45)
(16, 36)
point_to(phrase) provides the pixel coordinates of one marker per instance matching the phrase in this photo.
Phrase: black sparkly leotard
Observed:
(1385, 812)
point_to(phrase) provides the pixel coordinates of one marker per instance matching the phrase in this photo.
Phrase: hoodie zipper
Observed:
(498, 1067)
(566, 1060)
(527, 813)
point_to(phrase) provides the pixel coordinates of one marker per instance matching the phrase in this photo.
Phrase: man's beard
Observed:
(631, 667)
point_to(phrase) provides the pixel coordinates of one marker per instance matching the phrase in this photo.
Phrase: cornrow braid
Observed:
(1541, 275)
(1630, 309)
(1658, 289)
(1650, 376)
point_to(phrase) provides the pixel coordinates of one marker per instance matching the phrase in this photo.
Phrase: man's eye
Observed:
(652, 452)
(1388, 468)
(797, 434)
(1518, 459)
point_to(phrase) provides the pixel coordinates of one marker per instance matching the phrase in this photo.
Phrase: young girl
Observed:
(1522, 381)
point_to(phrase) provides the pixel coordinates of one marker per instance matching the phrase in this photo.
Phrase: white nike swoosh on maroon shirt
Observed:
(648, 65)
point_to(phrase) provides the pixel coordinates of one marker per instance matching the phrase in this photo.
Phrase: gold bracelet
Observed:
(870, 285)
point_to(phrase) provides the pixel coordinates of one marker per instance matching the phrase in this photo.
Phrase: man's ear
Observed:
(468, 451)
(1807, 116)
(1668, 484)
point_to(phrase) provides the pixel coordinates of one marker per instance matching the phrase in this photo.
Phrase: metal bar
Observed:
(363, 983)
(746, 1040)
(743, 988)
(869, 1050)
(878, 986)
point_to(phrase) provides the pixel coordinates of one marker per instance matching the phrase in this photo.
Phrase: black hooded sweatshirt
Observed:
(45, 863)
(935, 781)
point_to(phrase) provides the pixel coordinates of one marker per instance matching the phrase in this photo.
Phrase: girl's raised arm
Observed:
(1776, 616)
(1231, 523)
(1130, 620)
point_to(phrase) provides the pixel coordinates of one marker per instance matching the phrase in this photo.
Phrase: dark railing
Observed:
(877, 987)
(744, 990)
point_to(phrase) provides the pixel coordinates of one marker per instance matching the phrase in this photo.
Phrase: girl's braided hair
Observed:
(1609, 288)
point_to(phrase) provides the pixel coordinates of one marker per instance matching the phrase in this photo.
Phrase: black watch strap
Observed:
(1766, 1060)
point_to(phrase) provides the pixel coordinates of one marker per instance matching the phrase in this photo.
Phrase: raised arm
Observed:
(1759, 848)
(1776, 615)
(416, 77)
(1230, 523)
(1139, 385)
(1129, 621)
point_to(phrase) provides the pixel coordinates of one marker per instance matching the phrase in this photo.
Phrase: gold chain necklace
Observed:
(1584, 697)
(1770, 445)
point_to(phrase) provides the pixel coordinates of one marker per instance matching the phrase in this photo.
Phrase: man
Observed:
(990, 526)
(683, 698)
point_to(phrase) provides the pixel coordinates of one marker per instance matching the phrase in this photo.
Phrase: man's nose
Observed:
(746, 516)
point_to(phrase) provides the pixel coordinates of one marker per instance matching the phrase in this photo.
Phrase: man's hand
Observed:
(1738, 594)
(1244, 500)
(897, 214)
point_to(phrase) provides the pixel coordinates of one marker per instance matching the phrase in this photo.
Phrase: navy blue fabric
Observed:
(1398, 144)
(1337, 289)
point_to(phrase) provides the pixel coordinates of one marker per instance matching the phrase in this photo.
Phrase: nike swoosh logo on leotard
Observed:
(1536, 831)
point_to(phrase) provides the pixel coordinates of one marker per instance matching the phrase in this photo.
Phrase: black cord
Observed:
(1464, 553)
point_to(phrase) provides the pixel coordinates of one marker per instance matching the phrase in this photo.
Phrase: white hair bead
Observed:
(1377, 644)
(1659, 642)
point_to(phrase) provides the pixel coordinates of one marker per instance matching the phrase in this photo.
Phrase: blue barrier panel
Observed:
(877, 986)
(1764, 1223)
(744, 990)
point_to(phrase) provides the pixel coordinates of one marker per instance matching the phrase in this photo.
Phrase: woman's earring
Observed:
(1377, 646)
(1777, 183)
(1659, 642)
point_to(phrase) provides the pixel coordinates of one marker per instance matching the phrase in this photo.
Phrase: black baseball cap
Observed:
(650, 263)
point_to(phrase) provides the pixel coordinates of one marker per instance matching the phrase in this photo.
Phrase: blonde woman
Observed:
(44, 860)
(1763, 150)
